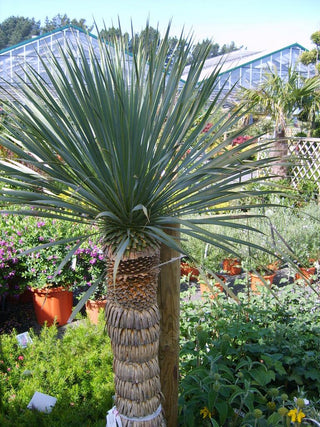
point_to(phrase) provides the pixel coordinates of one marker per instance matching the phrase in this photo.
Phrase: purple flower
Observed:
(40, 224)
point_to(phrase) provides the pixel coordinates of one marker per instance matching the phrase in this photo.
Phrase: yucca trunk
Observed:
(133, 324)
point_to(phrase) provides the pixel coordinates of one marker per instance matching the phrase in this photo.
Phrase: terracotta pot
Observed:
(306, 273)
(204, 288)
(232, 266)
(274, 266)
(257, 282)
(93, 308)
(188, 270)
(52, 304)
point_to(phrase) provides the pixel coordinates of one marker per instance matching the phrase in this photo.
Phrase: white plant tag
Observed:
(24, 339)
(42, 402)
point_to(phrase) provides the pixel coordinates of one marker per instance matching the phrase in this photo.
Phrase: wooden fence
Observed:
(304, 157)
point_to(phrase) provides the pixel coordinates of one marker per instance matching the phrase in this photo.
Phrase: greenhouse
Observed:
(32, 53)
(243, 68)
(240, 68)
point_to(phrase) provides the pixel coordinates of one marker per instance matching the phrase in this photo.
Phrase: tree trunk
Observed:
(169, 305)
(280, 150)
(133, 324)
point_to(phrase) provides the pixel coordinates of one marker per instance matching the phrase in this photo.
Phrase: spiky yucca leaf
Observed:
(110, 138)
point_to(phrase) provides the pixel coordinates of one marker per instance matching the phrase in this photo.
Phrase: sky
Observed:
(253, 24)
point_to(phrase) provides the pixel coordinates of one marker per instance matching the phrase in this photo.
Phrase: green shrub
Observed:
(237, 359)
(76, 369)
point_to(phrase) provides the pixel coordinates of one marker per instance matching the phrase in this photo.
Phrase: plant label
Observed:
(24, 339)
(42, 402)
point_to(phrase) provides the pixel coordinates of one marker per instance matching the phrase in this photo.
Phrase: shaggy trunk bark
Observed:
(133, 324)
(280, 150)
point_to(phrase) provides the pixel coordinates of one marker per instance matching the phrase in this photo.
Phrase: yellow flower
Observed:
(296, 415)
(300, 416)
(205, 412)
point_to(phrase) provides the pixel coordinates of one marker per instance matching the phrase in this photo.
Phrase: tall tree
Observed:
(279, 98)
(59, 21)
(108, 142)
(16, 29)
(312, 56)
(111, 33)
(215, 49)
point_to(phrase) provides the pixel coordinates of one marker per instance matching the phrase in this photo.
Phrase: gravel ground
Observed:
(20, 317)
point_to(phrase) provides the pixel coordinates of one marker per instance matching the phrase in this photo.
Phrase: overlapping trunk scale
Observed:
(133, 324)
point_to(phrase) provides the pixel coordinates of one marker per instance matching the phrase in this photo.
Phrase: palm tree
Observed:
(106, 140)
(279, 98)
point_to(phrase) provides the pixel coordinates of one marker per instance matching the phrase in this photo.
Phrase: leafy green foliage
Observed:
(16, 29)
(290, 232)
(236, 359)
(76, 369)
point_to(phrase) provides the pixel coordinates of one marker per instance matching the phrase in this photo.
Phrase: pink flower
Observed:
(20, 358)
(207, 127)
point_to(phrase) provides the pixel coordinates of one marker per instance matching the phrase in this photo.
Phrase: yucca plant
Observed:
(116, 141)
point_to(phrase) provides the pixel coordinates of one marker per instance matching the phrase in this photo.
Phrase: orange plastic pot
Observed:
(257, 282)
(232, 266)
(204, 288)
(52, 305)
(187, 270)
(306, 273)
(274, 266)
(93, 309)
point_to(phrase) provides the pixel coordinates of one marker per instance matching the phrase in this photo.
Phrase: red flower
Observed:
(239, 140)
(207, 127)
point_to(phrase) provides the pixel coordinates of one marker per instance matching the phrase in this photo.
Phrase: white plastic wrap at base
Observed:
(114, 420)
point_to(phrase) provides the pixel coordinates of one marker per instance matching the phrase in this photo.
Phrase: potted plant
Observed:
(261, 267)
(211, 286)
(307, 269)
(189, 270)
(232, 266)
(51, 287)
(90, 263)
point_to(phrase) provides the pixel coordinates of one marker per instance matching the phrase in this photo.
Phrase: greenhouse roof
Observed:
(237, 59)
(59, 32)
(34, 53)
(239, 68)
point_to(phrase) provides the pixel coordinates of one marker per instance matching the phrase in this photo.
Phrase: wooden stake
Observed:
(169, 306)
